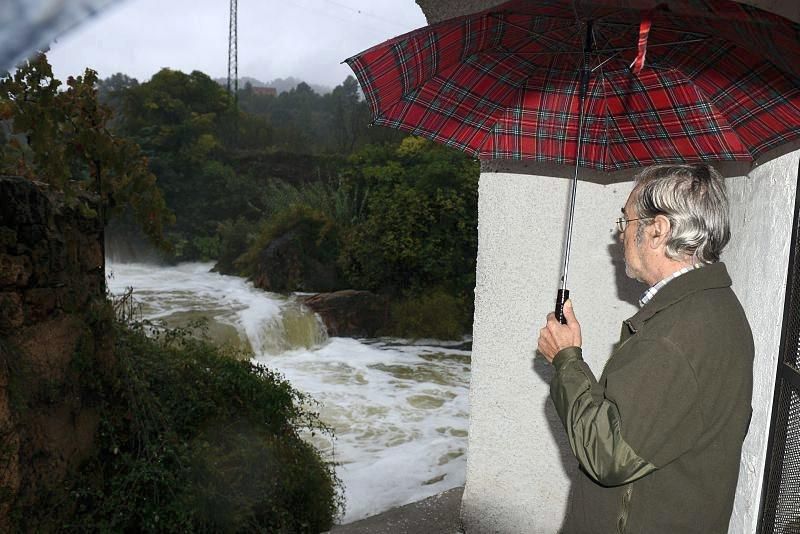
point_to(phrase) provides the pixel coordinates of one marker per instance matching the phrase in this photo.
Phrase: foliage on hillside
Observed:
(182, 122)
(347, 206)
(386, 212)
(215, 164)
(420, 224)
(192, 439)
(304, 121)
(400, 220)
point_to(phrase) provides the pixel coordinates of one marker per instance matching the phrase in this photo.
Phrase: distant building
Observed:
(269, 91)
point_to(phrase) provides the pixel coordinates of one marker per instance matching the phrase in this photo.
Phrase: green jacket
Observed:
(659, 436)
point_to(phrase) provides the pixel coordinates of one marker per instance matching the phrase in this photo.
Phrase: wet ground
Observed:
(435, 515)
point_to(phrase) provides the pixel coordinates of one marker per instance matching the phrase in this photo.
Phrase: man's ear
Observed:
(659, 231)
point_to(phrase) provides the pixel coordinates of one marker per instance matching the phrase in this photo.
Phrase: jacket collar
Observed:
(707, 277)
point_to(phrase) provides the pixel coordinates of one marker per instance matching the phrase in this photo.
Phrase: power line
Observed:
(367, 14)
(335, 13)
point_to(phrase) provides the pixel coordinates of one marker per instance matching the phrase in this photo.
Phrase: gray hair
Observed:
(693, 199)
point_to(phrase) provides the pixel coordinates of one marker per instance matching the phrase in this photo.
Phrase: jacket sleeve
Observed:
(593, 423)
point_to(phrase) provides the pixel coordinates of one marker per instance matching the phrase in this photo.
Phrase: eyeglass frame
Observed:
(622, 223)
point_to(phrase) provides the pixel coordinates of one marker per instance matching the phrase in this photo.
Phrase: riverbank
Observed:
(435, 515)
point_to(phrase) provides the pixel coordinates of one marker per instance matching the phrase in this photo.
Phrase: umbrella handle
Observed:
(561, 298)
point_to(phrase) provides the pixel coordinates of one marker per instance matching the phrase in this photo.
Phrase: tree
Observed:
(350, 115)
(61, 137)
(179, 119)
(111, 90)
(420, 226)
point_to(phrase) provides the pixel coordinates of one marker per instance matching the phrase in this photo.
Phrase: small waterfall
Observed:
(294, 327)
(232, 310)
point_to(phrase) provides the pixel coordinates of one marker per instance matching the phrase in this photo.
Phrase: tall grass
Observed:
(344, 204)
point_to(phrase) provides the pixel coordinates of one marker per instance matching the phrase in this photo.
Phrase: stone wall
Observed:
(52, 312)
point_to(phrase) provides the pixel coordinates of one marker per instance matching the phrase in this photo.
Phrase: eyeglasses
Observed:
(623, 223)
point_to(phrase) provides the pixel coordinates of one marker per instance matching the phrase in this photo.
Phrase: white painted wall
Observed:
(762, 210)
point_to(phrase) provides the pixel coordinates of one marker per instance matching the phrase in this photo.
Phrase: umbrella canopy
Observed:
(683, 81)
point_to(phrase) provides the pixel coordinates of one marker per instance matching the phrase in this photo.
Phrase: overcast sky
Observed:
(277, 38)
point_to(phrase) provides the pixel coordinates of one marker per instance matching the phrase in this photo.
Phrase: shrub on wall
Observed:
(192, 439)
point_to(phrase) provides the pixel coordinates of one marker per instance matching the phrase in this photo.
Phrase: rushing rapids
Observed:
(399, 410)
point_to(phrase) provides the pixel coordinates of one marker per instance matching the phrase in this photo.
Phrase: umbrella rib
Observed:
(596, 49)
(600, 65)
(531, 54)
(559, 45)
(532, 66)
(649, 46)
(717, 112)
(604, 157)
(627, 25)
(597, 18)
(616, 50)
(553, 53)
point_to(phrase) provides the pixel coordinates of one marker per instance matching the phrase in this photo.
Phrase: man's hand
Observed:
(556, 336)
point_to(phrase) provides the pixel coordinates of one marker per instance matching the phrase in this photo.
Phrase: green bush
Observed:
(235, 237)
(193, 440)
(313, 231)
(419, 230)
(340, 201)
(436, 315)
(206, 247)
(186, 246)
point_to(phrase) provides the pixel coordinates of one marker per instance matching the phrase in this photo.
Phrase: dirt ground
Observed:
(435, 515)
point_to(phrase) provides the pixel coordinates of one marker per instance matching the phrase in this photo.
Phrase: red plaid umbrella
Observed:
(605, 84)
(721, 81)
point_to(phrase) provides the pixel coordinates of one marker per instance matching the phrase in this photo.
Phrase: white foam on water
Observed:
(399, 410)
(400, 418)
(192, 287)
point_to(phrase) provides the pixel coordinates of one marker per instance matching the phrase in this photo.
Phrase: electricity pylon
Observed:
(233, 56)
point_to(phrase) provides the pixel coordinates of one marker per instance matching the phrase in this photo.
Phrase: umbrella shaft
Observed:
(568, 239)
(584, 89)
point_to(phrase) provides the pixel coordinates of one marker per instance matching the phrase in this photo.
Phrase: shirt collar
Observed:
(651, 291)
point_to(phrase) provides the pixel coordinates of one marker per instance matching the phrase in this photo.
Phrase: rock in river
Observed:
(351, 313)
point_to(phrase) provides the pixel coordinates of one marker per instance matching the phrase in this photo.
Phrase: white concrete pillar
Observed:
(762, 211)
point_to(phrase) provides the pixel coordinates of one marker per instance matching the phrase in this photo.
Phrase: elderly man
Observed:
(659, 436)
